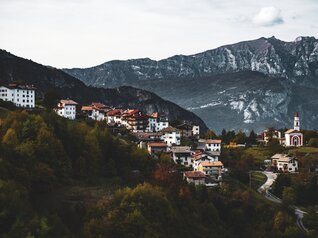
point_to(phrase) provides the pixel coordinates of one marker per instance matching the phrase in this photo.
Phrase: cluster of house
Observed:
(132, 119)
(202, 162)
(292, 137)
(156, 135)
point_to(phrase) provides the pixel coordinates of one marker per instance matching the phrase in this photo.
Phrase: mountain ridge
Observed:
(296, 62)
(254, 55)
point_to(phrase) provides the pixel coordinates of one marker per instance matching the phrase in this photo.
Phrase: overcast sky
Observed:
(84, 33)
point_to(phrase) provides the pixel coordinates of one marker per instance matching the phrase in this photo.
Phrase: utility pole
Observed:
(250, 178)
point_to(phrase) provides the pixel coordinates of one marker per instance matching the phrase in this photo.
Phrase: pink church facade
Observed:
(293, 137)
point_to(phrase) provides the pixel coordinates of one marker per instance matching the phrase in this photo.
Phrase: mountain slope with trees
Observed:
(60, 178)
(47, 79)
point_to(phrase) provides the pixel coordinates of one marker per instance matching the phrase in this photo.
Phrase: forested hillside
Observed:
(61, 178)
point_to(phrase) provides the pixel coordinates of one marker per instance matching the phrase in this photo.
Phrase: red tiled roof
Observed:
(197, 154)
(155, 114)
(98, 104)
(68, 102)
(157, 144)
(131, 112)
(194, 174)
(87, 108)
(213, 141)
(211, 164)
(114, 112)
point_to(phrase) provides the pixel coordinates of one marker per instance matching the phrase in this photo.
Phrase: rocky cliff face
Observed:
(245, 100)
(269, 56)
(13, 68)
(219, 84)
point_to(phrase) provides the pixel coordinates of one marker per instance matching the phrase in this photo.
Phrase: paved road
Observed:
(300, 215)
(271, 177)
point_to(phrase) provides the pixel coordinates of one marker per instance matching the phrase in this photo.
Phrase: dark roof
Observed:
(169, 129)
(184, 126)
(17, 86)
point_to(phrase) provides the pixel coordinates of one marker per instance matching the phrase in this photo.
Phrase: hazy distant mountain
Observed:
(289, 82)
(13, 68)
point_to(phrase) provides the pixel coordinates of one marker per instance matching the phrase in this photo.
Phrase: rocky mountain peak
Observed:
(270, 56)
(221, 82)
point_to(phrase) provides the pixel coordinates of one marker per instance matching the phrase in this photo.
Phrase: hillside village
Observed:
(154, 133)
(159, 119)
(199, 158)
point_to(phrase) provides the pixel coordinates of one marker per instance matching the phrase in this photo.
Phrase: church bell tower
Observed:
(296, 122)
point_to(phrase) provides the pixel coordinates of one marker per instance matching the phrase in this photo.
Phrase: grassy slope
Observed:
(259, 154)
(258, 179)
(304, 150)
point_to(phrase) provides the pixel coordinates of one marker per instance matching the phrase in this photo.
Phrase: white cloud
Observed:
(268, 16)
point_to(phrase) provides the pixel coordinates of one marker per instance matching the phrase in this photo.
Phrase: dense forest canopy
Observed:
(61, 178)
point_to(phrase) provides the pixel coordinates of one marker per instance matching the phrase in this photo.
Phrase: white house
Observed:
(20, 95)
(285, 163)
(114, 116)
(67, 109)
(156, 147)
(157, 122)
(134, 120)
(96, 111)
(211, 168)
(207, 156)
(182, 155)
(195, 130)
(293, 137)
(211, 145)
(195, 177)
(171, 136)
(272, 134)
(152, 124)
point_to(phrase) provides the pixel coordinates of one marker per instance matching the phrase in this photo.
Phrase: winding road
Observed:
(271, 177)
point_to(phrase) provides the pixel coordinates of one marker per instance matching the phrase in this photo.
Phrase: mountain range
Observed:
(46, 78)
(248, 85)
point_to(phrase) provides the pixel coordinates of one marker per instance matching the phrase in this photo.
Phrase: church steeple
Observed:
(296, 122)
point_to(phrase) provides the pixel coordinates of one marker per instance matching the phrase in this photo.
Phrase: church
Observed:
(293, 137)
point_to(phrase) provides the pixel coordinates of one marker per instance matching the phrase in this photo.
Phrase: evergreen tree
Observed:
(252, 138)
